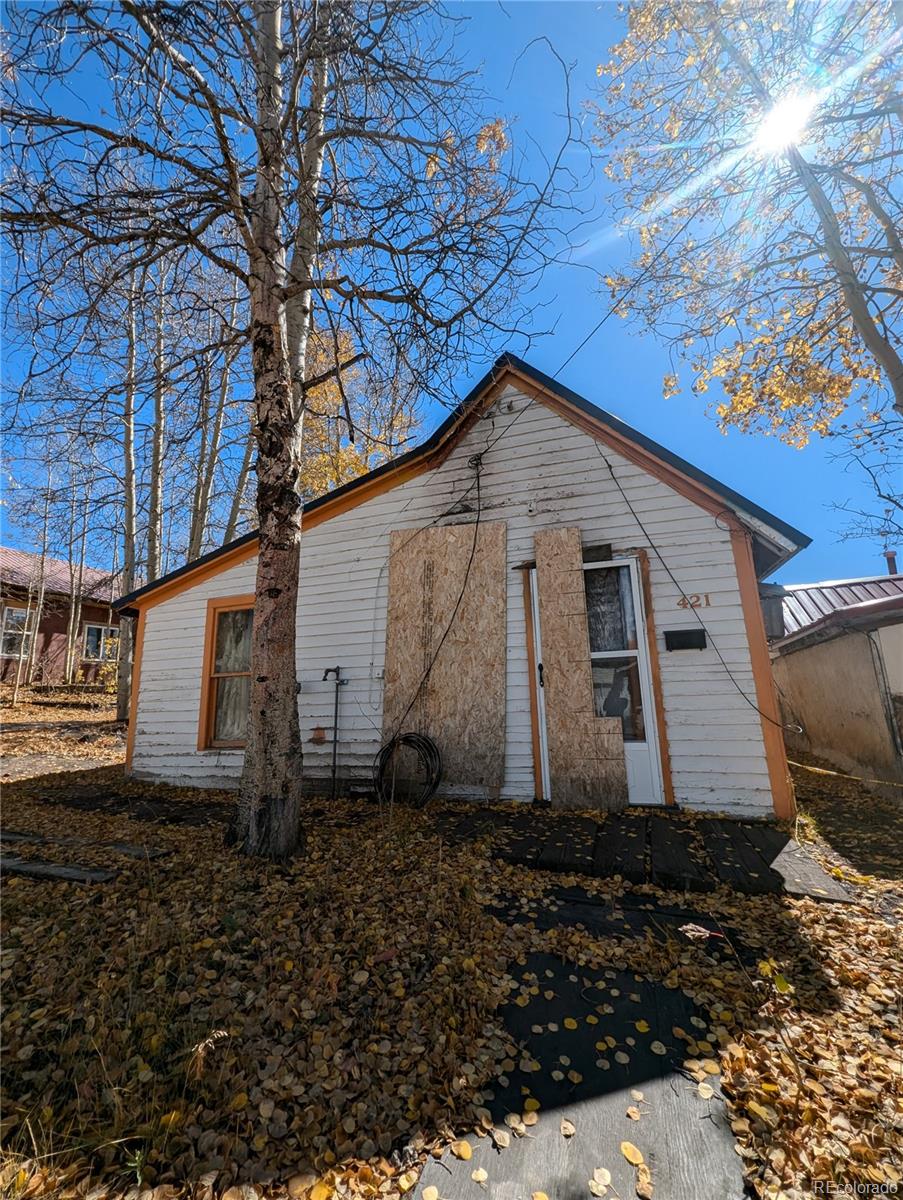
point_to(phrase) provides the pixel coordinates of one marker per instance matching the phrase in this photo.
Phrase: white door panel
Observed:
(621, 676)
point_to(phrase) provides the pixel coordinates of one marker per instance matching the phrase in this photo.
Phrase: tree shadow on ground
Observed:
(862, 828)
(108, 789)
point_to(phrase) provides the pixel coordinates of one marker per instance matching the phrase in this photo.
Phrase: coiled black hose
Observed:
(430, 760)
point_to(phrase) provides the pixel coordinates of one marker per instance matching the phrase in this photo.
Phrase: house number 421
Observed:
(695, 600)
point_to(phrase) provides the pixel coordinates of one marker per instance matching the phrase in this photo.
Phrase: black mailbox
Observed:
(685, 639)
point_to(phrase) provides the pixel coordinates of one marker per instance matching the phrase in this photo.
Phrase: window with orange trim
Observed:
(226, 690)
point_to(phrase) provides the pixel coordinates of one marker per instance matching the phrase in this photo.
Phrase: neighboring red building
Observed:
(97, 625)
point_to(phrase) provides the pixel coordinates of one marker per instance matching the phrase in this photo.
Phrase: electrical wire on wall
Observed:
(476, 462)
(692, 607)
(494, 438)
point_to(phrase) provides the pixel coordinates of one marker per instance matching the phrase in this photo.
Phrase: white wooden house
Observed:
(585, 601)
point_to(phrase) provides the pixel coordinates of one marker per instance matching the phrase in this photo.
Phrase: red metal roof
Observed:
(19, 568)
(806, 603)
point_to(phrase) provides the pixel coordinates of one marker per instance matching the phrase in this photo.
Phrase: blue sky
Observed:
(618, 369)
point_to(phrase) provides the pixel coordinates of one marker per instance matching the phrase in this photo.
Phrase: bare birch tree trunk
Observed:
(241, 486)
(155, 504)
(76, 587)
(24, 641)
(195, 531)
(209, 460)
(129, 532)
(42, 576)
(270, 792)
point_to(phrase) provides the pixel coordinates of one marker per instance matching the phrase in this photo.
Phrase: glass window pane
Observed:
(14, 619)
(233, 641)
(233, 699)
(616, 693)
(609, 609)
(111, 645)
(93, 641)
(11, 644)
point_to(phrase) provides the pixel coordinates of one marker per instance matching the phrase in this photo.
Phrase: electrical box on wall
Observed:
(685, 639)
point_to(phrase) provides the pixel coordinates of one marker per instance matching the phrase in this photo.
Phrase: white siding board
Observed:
(543, 472)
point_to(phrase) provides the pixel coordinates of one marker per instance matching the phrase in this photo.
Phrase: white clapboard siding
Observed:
(543, 472)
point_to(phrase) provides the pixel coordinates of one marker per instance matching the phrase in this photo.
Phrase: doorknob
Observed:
(541, 680)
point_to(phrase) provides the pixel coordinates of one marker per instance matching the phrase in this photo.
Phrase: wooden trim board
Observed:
(766, 697)
(530, 633)
(655, 671)
(137, 650)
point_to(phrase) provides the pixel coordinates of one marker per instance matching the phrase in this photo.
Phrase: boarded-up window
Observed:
(445, 670)
(585, 747)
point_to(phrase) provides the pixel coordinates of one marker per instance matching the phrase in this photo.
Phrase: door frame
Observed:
(545, 784)
(647, 691)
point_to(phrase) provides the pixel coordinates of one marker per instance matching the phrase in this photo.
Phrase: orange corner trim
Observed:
(766, 696)
(655, 670)
(137, 650)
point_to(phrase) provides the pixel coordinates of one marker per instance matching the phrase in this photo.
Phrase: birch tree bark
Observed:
(241, 486)
(129, 508)
(77, 545)
(155, 504)
(268, 814)
(42, 578)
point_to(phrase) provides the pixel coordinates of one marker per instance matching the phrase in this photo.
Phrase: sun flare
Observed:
(785, 124)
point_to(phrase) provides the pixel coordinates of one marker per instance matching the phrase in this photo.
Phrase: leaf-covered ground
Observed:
(57, 731)
(206, 1022)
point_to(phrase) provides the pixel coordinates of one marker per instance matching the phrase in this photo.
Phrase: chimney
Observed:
(891, 556)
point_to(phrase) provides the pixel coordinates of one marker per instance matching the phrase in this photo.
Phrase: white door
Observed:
(619, 660)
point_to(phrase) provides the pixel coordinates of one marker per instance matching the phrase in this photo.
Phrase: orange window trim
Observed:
(215, 606)
(766, 697)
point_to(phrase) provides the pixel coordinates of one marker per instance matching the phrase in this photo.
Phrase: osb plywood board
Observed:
(461, 705)
(586, 752)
